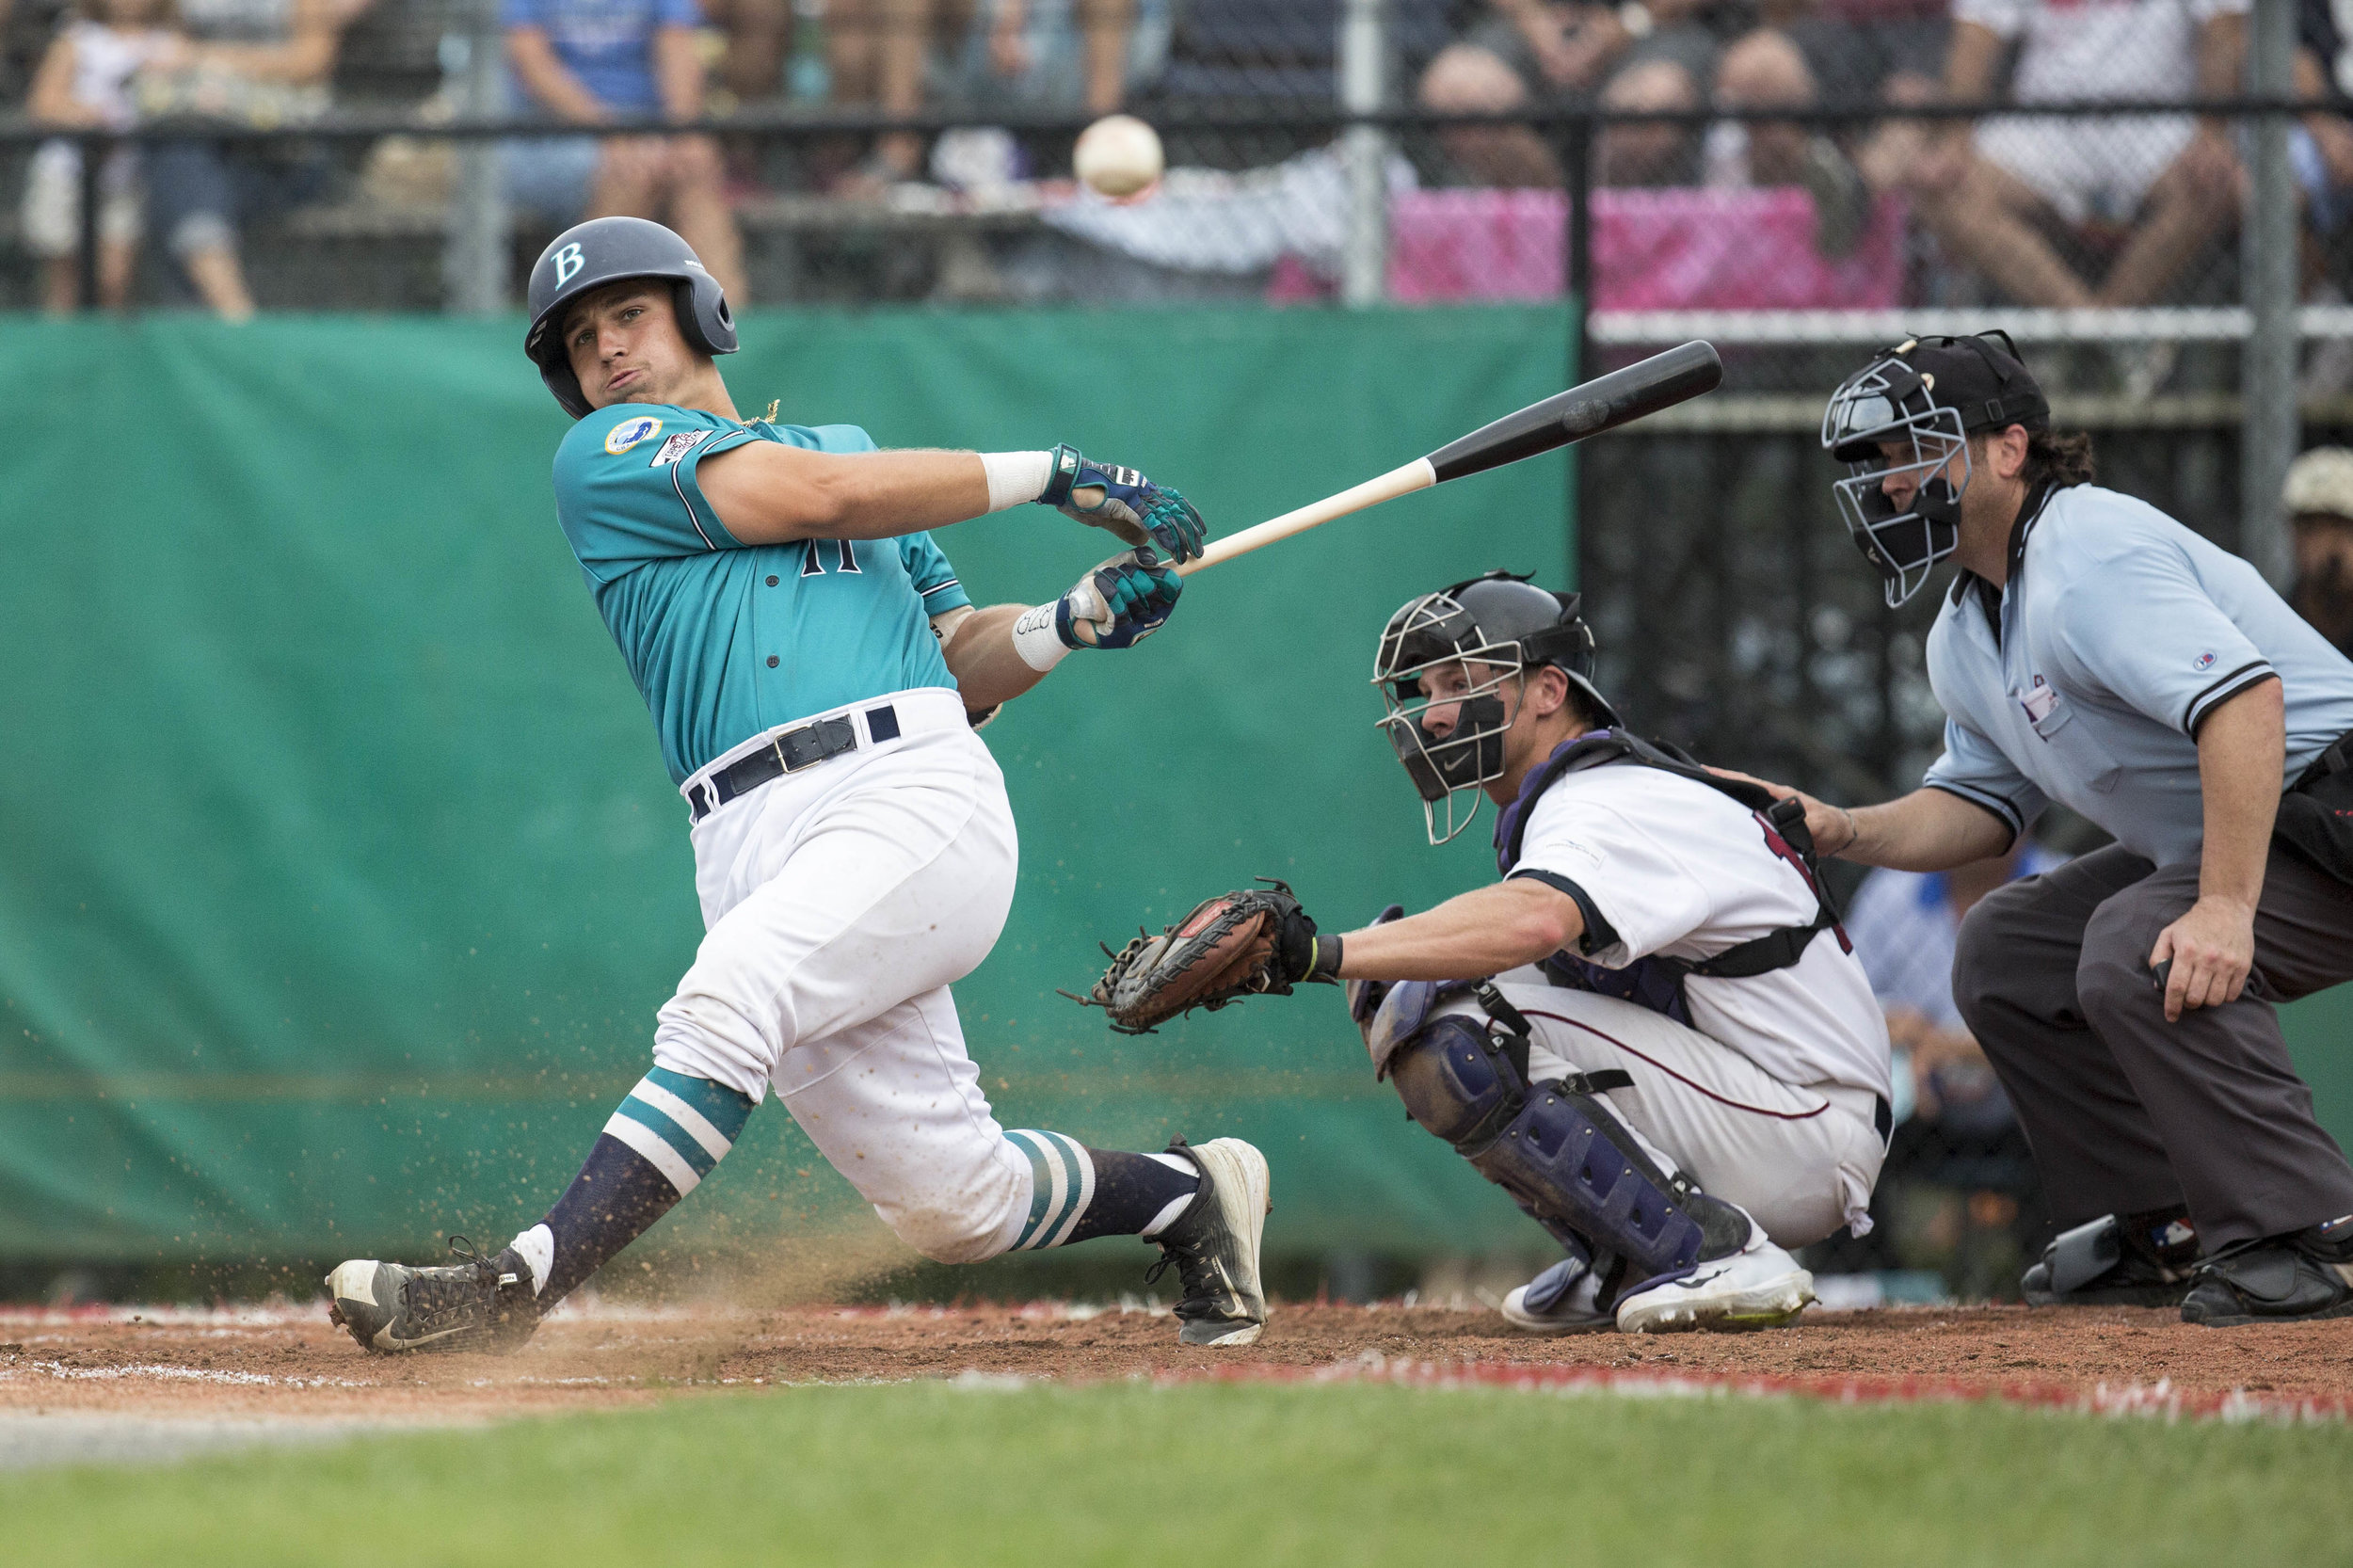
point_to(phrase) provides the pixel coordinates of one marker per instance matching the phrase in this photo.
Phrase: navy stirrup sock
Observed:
(669, 1134)
(1078, 1193)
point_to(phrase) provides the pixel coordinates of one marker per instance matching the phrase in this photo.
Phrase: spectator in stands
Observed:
(975, 54)
(1531, 52)
(2157, 187)
(2318, 500)
(1904, 925)
(588, 62)
(1767, 69)
(85, 82)
(1653, 154)
(259, 62)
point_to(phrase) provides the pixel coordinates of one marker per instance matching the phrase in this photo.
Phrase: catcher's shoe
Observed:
(2127, 1260)
(2297, 1278)
(1214, 1244)
(1564, 1298)
(475, 1304)
(1758, 1286)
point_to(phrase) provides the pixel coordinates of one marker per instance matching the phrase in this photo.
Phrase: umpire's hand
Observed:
(2211, 951)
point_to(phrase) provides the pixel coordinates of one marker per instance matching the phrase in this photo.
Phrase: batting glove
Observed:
(1119, 603)
(1104, 495)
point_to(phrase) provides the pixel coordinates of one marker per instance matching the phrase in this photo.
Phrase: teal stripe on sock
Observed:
(721, 1105)
(670, 1132)
(1081, 1169)
(1041, 1187)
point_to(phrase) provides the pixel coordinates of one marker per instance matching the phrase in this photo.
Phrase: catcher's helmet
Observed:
(1499, 621)
(1929, 394)
(606, 250)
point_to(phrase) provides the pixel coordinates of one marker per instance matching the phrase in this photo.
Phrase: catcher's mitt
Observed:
(1252, 942)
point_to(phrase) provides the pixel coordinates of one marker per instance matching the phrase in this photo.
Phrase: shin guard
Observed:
(1562, 1154)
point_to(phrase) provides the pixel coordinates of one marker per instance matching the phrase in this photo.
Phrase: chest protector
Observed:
(1657, 982)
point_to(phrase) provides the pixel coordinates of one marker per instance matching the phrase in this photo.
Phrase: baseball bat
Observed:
(1587, 408)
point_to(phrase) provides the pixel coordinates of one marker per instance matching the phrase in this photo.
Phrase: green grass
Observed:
(927, 1473)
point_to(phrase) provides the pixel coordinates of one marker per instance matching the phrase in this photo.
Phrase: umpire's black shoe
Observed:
(476, 1303)
(2295, 1278)
(2116, 1260)
(1214, 1244)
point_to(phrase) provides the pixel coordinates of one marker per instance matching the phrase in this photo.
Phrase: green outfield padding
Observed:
(339, 874)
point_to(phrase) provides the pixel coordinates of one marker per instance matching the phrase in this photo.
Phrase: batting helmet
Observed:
(1499, 621)
(606, 250)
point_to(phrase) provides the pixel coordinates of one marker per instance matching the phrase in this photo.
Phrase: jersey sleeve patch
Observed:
(630, 432)
(679, 446)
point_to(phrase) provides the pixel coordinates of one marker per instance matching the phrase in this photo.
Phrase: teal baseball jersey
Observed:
(724, 639)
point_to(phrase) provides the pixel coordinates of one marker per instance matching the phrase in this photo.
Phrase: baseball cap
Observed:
(1982, 379)
(2321, 480)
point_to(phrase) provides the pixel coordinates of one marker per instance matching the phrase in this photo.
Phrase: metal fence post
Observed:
(474, 265)
(1365, 150)
(2269, 434)
(93, 152)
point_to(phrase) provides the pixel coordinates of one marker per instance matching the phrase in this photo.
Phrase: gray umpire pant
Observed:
(2125, 1111)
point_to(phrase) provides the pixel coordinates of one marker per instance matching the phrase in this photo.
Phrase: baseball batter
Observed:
(1677, 1068)
(816, 674)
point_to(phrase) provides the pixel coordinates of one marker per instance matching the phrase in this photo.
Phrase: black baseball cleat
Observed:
(1215, 1245)
(476, 1303)
(2116, 1260)
(2300, 1277)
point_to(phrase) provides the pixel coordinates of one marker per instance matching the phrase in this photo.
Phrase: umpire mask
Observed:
(1449, 654)
(1908, 416)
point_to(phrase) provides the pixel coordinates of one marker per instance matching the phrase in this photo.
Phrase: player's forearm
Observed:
(1482, 932)
(768, 493)
(989, 668)
(2242, 753)
(1927, 830)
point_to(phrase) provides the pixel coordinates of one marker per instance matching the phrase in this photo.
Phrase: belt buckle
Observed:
(784, 759)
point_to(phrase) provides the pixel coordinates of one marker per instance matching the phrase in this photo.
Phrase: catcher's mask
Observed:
(1496, 628)
(1909, 413)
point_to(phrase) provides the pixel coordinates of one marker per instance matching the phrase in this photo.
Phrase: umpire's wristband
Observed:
(1327, 960)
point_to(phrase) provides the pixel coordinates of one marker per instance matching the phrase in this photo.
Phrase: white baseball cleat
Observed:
(1214, 1244)
(1758, 1286)
(1564, 1298)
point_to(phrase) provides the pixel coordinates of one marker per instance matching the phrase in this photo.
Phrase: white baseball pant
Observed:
(840, 901)
(1801, 1159)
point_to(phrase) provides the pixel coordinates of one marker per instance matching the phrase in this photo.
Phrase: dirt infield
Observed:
(287, 1362)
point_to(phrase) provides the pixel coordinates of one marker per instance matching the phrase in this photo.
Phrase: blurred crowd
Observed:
(2010, 207)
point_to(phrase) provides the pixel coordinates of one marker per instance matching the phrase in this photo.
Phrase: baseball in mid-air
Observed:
(1118, 156)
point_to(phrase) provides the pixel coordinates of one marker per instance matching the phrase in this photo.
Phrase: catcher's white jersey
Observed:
(1678, 868)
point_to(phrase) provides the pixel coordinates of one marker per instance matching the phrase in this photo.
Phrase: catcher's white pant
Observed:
(840, 904)
(1800, 1158)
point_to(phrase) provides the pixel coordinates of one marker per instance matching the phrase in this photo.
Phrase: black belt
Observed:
(790, 752)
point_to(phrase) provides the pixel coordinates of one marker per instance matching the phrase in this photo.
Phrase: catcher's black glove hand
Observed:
(1257, 941)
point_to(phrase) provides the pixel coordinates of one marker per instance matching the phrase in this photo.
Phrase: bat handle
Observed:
(1413, 476)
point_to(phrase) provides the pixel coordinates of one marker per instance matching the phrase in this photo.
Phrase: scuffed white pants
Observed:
(1800, 1158)
(840, 904)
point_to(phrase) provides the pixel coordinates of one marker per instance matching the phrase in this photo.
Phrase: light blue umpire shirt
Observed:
(726, 640)
(2086, 680)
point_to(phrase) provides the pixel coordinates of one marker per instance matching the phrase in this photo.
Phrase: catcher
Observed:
(1651, 1032)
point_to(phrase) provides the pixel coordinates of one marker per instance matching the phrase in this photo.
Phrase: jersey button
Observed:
(771, 661)
(771, 582)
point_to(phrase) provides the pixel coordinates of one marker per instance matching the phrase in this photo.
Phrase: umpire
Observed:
(2094, 651)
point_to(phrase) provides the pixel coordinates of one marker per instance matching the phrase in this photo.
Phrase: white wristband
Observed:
(1016, 478)
(1035, 638)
